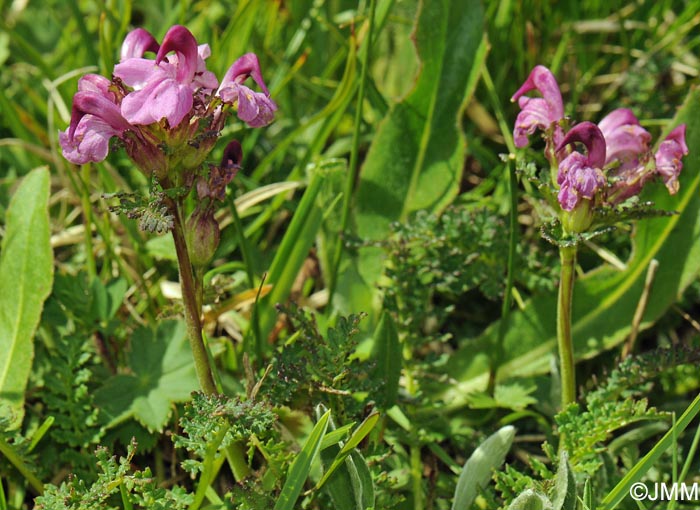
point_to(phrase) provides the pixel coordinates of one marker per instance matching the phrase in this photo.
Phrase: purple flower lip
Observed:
(180, 40)
(592, 137)
(85, 102)
(136, 43)
(246, 65)
(538, 112)
(668, 157)
(233, 154)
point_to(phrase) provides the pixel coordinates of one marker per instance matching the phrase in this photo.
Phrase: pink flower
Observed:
(581, 176)
(163, 89)
(95, 118)
(254, 108)
(627, 153)
(625, 139)
(538, 112)
(668, 157)
(167, 111)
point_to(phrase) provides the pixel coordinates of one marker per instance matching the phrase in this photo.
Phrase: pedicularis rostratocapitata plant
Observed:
(590, 189)
(168, 113)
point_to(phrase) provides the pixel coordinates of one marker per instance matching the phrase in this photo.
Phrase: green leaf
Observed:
(565, 486)
(416, 157)
(478, 469)
(301, 467)
(621, 490)
(531, 500)
(507, 396)
(162, 372)
(605, 300)
(357, 436)
(298, 239)
(348, 482)
(387, 355)
(26, 276)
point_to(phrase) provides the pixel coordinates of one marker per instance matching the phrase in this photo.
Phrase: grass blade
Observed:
(300, 468)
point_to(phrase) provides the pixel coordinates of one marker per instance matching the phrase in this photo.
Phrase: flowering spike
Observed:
(166, 111)
(592, 137)
(181, 41)
(136, 43)
(538, 113)
(668, 157)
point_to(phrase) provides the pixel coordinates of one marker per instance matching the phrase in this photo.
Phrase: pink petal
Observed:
(90, 142)
(247, 65)
(181, 41)
(669, 158)
(136, 43)
(137, 72)
(589, 135)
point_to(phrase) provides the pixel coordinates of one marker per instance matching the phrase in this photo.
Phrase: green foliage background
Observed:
(381, 227)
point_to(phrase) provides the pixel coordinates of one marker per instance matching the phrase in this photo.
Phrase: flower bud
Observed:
(202, 236)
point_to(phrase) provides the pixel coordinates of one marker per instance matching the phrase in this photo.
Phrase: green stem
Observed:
(9, 453)
(508, 292)
(192, 311)
(566, 347)
(417, 476)
(87, 217)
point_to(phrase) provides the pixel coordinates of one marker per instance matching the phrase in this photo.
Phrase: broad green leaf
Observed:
(605, 299)
(162, 373)
(387, 355)
(416, 157)
(301, 466)
(479, 467)
(565, 485)
(507, 396)
(26, 276)
(531, 500)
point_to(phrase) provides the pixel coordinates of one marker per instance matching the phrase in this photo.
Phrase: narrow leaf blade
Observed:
(300, 468)
(387, 355)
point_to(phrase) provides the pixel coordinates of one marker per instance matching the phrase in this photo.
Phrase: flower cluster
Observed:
(618, 161)
(167, 111)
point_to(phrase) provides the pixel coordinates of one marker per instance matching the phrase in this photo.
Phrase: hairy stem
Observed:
(566, 347)
(192, 310)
